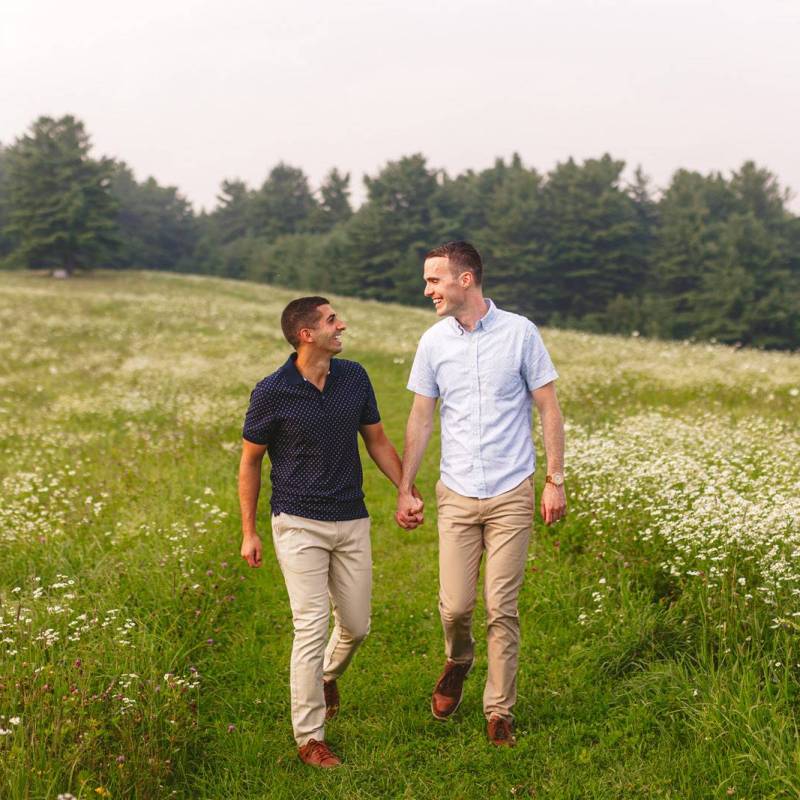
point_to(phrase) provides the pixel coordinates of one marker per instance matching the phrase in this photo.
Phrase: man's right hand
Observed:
(251, 549)
(409, 514)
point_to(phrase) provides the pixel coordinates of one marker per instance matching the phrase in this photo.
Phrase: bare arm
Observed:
(249, 488)
(418, 434)
(554, 501)
(382, 451)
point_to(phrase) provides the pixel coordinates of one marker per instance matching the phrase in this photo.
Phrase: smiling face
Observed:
(326, 335)
(447, 290)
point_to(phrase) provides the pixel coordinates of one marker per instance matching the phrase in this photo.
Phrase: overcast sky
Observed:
(194, 92)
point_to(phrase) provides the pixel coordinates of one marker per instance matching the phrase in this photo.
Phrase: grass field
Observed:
(141, 658)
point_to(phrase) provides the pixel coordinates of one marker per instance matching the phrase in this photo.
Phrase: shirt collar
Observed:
(293, 376)
(485, 322)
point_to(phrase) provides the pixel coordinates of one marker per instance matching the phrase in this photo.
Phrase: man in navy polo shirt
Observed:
(307, 416)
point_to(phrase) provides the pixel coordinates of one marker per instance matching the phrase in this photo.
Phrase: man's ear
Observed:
(305, 335)
(466, 279)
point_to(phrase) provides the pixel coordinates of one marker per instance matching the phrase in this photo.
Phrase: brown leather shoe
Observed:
(318, 754)
(500, 732)
(331, 698)
(449, 688)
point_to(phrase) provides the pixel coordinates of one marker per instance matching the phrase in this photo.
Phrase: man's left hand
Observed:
(553, 503)
(409, 514)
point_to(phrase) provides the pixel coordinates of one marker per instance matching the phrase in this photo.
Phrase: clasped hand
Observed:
(409, 514)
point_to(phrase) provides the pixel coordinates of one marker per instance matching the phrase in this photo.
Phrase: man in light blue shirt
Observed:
(487, 367)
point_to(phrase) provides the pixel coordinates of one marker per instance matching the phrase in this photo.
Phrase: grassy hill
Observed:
(140, 657)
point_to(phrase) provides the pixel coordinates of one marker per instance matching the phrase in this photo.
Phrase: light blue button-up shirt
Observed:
(484, 378)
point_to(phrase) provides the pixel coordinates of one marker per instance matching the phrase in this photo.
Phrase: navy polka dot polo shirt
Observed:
(312, 438)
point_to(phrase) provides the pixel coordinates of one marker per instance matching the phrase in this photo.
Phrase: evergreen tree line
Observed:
(709, 257)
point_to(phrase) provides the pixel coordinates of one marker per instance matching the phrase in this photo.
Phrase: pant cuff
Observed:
(460, 659)
(318, 735)
(496, 713)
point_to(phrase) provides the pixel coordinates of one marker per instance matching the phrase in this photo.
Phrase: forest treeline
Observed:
(707, 257)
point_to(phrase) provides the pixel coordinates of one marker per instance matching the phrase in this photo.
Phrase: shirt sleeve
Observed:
(422, 379)
(369, 412)
(260, 418)
(538, 369)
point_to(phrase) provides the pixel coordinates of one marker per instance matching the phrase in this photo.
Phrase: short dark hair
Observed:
(299, 314)
(463, 257)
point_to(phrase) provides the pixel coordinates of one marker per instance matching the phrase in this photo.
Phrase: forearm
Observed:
(386, 459)
(418, 433)
(553, 435)
(249, 488)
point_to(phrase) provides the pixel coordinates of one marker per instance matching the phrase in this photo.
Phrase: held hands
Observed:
(553, 504)
(251, 550)
(409, 514)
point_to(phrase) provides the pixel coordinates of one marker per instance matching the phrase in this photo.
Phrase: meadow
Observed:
(141, 658)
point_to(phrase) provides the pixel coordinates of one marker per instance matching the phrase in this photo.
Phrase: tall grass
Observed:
(141, 658)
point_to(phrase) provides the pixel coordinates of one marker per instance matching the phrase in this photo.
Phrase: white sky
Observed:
(194, 92)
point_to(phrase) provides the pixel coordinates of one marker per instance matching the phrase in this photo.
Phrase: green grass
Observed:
(121, 402)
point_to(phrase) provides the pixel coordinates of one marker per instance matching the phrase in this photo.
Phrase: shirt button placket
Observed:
(475, 396)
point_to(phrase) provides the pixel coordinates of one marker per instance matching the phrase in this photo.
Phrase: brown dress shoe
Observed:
(331, 698)
(449, 688)
(318, 754)
(500, 732)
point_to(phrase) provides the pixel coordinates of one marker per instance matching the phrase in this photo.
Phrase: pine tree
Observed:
(61, 211)
(589, 226)
(334, 204)
(389, 235)
(512, 240)
(5, 239)
(233, 216)
(158, 229)
(691, 214)
(283, 204)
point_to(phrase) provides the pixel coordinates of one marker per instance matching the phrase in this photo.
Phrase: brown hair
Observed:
(463, 257)
(299, 314)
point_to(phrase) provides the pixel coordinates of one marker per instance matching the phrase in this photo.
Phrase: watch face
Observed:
(558, 478)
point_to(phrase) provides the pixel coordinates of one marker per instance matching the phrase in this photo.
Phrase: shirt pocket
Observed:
(502, 379)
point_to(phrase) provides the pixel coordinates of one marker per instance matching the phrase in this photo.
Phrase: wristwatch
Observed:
(557, 479)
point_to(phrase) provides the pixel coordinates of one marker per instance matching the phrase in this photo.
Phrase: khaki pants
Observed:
(322, 560)
(501, 527)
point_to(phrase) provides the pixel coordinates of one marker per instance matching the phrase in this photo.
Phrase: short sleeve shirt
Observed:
(312, 438)
(484, 379)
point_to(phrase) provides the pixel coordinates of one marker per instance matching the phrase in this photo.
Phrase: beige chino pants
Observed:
(323, 564)
(500, 527)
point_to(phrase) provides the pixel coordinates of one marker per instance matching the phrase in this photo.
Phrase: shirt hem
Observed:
(487, 496)
(344, 516)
